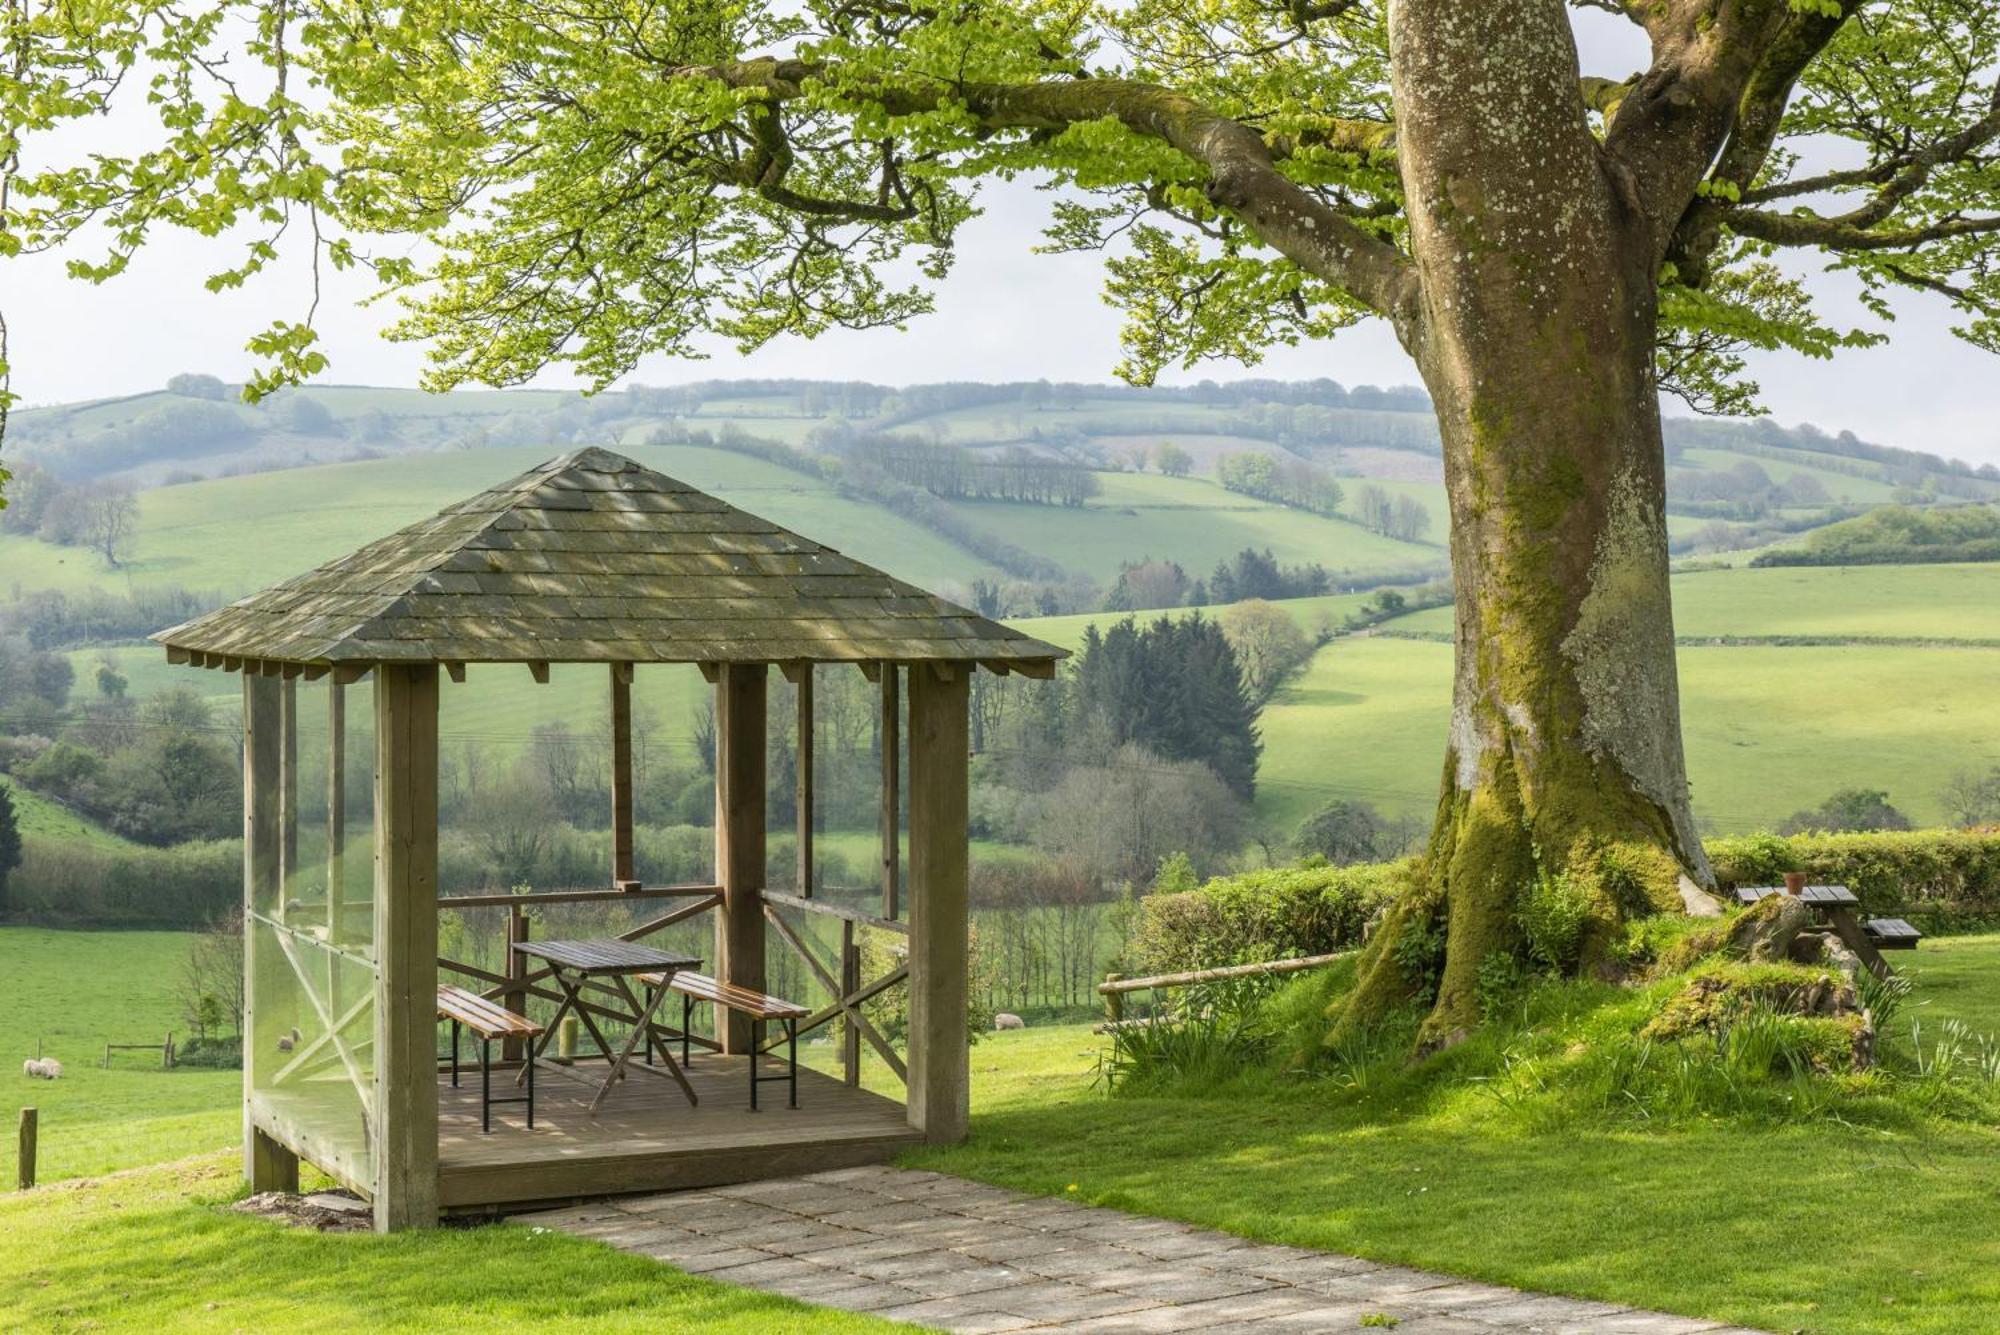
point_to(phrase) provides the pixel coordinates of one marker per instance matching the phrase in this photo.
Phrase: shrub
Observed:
(1554, 912)
(1264, 915)
(69, 882)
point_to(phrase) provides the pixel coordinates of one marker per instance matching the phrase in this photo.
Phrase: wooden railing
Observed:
(843, 980)
(1116, 987)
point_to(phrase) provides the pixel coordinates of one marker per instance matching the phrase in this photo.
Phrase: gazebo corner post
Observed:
(740, 721)
(268, 1165)
(939, 913)
(406, 887)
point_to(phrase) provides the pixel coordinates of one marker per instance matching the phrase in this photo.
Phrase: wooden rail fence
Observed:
(1116, 987)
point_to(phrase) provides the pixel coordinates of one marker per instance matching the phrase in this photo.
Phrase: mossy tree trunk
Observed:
(1536, 339)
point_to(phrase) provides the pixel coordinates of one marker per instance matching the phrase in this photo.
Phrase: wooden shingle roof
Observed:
(591, 558)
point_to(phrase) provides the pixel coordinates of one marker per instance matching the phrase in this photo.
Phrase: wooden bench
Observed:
(488, 1020)
(1892, 934)
(761, 1009)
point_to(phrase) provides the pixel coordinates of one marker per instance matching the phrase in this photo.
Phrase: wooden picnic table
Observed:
(1839, 908)
(610, 963)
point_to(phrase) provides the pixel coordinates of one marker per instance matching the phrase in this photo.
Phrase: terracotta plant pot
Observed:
(1795, 881)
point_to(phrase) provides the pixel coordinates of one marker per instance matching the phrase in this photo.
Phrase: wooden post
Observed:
(940, 1050)
(515, 999)
(267, 1165)
(739, 839)
(892, 814)
(621, 775)
(1114, 1002)
(24, 1164)
(336, 814)
(850, 982)
(805, 788)
(406, 823)
(288, 791)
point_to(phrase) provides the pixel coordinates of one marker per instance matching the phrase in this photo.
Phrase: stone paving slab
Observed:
(953, 1255)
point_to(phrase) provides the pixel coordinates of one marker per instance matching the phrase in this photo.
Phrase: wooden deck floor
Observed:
(647, 1138)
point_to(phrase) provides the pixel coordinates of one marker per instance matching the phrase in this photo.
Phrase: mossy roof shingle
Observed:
(593, 558)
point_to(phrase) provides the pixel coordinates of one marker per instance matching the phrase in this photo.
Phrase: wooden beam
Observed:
(1043, 668)
(288, 792)
(802, 685)
(336, 813)
(710, 672)
(346, 674)
(177, 655)
(406, 827)
(939, 1048)
(889, 821)
(850, 983)
(456, 671)
(314, 671)
(739, 839)
(540, 672)
(265, 1163)
(621, 775)
(997, 666)
(870, 669)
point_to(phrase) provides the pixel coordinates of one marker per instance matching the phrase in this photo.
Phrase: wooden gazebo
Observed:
(589, 558)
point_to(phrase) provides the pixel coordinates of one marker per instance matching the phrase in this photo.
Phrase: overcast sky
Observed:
(1006, 314)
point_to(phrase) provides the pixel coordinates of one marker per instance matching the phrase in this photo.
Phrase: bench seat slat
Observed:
(486, 1018)
(742, 1000)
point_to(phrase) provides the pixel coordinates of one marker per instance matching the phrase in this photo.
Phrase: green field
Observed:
(70, 993)
(39, 816)
(1942, 602)
(233, 535)
(1195, 522)
(1768, 730)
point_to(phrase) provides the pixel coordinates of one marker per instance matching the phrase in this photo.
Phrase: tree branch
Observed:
(1242, 174)
(1806, 229)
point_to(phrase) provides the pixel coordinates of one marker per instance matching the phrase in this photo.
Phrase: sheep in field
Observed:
(42, 1068)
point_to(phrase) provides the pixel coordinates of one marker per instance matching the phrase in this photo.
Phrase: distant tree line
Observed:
(1402, 517)
(957, 473)
(1150, 583)
(101, 514)
(1291, 481)
(1898, 535)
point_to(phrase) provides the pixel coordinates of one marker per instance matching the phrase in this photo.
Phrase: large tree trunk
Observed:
(1536, 340)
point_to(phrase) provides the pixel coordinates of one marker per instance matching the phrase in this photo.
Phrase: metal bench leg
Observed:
(687, 1018)
(792, 1057)
(485, 1085)
(531, 1082)
(756, 1038)
(454, 1054)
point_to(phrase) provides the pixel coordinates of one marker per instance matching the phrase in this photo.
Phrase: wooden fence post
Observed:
(1114, 1002)
(25, 1166)
(850, 983)
(515, 999)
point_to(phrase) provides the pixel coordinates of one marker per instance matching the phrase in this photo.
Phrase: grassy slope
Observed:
(1768, 730)
(152, 1251)
(38, 815)
(76, 991)
(1192, 521)
(237, 534)
(1960, 602)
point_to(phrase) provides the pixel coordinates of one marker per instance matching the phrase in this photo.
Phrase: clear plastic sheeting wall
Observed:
(310, 1052)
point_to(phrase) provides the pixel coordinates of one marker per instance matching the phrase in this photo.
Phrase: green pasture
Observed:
(1842, 487)
(1195, 522)
(233, 535)
(70, 993)
(1943, 602)
(40, 816)
(1768, 730)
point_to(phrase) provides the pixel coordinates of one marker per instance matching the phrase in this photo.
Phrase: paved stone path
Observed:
(943, 1252)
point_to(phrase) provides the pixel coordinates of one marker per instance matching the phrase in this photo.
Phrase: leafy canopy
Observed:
(592, 181)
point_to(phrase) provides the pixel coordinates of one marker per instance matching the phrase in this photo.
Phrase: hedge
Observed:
(1263, 915)
(66, 883)
(1940, 880)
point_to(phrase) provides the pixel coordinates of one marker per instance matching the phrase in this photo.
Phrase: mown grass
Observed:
(67, 995)
(156, 1250)
(1879, 1221)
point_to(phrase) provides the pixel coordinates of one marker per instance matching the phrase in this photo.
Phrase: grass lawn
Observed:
(152, 1250)
(1827, 1227)
(74, 992)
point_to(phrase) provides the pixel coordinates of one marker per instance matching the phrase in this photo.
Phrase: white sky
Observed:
(1006, 314)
